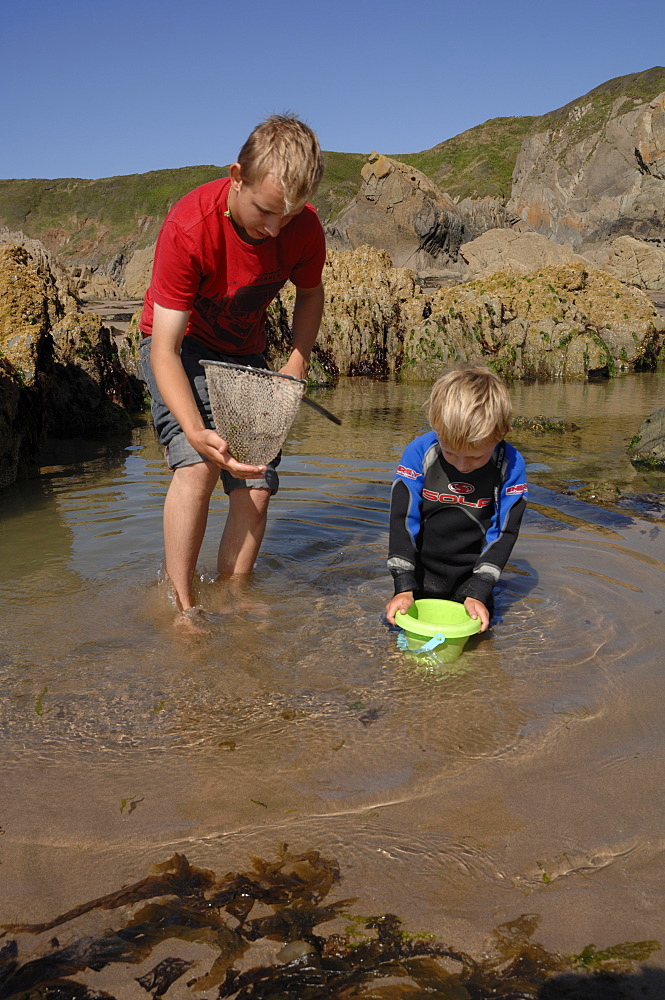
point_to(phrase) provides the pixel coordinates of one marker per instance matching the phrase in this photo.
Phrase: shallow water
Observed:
(527, 777)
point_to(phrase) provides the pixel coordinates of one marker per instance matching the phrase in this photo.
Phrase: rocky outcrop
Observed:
(73, 283)
(91, 284)
(522, 252)
(564, 320)
(400, 210)
(598, 166)
(60, 373)
(59, 281)
(138, 271)
(648, 445)
(481, 214)
(632, 261)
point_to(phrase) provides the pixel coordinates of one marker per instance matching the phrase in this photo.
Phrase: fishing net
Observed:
(253, 408)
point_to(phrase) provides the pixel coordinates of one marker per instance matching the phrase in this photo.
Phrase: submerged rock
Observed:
(648, 445)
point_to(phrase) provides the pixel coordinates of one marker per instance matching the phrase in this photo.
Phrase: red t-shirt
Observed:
(202, 265)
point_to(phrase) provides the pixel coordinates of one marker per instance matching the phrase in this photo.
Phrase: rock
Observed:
(648, 445)
(138, 272)
(600, 493)
(541, 424)
(597, 166)
(91, 284)
(362, 319)
(481, 214)
(60, 373)
(522, 252)
(72, 283)
(20, 433)
(563, 320)
(400, 210)
(90, 391)
(632, 261)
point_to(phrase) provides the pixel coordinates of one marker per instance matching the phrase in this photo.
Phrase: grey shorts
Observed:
(177, 449)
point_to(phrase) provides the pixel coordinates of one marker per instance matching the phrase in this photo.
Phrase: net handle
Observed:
(250, 368)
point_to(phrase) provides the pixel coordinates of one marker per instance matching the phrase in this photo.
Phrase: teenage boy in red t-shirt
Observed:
(223, 253)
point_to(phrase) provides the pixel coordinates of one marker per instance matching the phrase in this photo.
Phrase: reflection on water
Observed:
(528, 780)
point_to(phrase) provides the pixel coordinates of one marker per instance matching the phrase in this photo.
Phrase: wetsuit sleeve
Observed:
(502, 532)
(405, 519)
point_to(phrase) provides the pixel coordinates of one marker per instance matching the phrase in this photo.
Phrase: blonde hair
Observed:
(467, 405)
(289, 151)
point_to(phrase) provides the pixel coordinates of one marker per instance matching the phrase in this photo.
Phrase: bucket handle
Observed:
(427, 647)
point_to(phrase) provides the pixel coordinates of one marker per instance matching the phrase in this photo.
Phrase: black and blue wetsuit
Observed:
(451, 533)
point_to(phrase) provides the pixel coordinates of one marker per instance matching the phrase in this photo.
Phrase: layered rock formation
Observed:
(138, 271)
(74, 282)
(595, 168)
(60, 373)
(563, 320)
(400, 210)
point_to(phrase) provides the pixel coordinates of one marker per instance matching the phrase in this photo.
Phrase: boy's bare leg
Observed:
(243, 531)
(185, 519)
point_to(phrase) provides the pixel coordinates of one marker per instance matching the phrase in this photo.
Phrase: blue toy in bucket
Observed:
(431, 624)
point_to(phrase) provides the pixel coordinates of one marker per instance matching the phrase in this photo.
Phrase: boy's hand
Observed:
(215, 449)
(400, 602)
(477, 609)
(296, 366)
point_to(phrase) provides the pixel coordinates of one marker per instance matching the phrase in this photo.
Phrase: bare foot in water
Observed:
(192, 621)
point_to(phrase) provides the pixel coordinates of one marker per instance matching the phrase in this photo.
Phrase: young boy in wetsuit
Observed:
(458, 497)
(223, 253)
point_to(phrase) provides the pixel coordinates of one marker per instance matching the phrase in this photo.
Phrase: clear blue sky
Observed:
(96, 88)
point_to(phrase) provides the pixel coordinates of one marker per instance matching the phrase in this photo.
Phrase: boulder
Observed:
(648, 445)
(60, 372)
(632, 261)
(518, 251)
(362, 321)
(400, 210)
(138, 272)
(562, 321)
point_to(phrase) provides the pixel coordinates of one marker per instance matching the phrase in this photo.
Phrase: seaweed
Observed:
(286, 900)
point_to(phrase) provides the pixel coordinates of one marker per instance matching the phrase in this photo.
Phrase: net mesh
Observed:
(253, 408)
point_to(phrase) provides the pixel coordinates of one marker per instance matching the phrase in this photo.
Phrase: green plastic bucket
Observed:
(442, 627)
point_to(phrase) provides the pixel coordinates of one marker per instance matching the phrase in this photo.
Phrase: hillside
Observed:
(87, 221)
(635, 88)
(477, 162)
